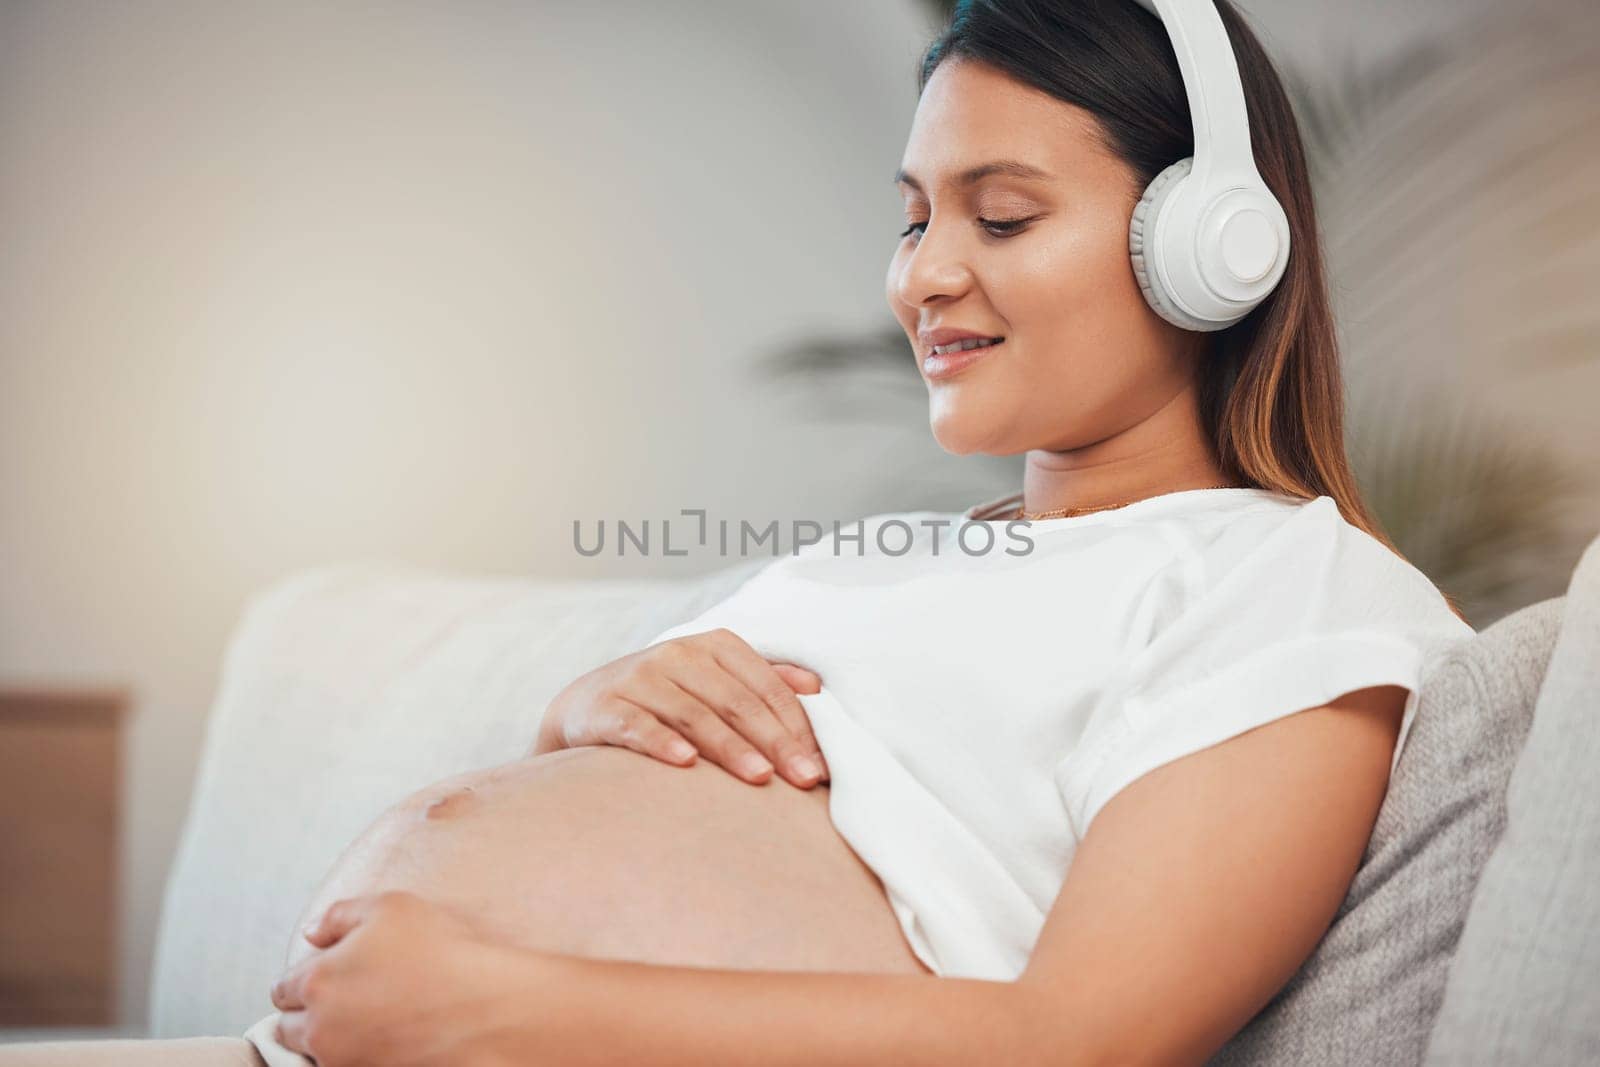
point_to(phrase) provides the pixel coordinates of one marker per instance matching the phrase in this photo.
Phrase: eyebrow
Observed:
(1009, 167)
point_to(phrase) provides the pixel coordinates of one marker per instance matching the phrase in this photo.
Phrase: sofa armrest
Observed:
(343, 690)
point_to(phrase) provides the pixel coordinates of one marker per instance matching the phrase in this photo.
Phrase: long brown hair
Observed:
(1272, 387)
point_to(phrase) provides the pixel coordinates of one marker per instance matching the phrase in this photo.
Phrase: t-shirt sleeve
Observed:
(1292, 613)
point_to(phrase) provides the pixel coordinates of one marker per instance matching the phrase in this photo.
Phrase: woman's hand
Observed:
(402, 982)
(707, 692)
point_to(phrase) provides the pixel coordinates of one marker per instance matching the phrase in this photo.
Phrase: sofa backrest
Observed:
(1371, 989)
(1525, 983)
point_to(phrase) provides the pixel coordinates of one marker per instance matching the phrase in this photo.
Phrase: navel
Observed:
(451, 804)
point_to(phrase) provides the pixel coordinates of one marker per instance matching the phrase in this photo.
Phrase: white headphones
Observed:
(1209, 240)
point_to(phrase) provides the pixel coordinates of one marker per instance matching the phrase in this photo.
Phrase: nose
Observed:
(931, 268)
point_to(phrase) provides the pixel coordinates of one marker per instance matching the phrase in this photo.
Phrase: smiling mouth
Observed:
(965, 346)
(943, 361)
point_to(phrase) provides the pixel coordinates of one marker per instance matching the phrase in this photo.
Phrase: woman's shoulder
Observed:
(1306, 552)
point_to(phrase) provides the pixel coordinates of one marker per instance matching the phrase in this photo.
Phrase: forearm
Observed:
(609, 1012)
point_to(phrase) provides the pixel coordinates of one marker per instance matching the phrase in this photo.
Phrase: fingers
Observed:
(796, 749)
(689, 715)
(673, 726)
(291, 1031)
(631, 726)
(799, 679)
(288, 992)
(340, 918)
(802, 680)
(724, 689)
(793, 714)
(705, 694)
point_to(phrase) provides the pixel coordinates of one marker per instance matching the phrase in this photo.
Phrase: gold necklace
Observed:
(1060, 513)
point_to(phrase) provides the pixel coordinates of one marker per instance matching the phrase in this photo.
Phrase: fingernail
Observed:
(753, 763)
(805, 767)
(680, 749)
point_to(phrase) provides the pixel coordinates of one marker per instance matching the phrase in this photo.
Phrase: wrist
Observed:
(527, 995)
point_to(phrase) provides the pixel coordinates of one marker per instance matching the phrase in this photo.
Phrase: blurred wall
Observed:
(284, 284)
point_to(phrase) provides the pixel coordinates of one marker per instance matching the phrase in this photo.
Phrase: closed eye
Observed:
(997, 227)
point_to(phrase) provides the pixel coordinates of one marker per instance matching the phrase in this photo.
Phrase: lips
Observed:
(937, 365)
(966, 346)
(945, 336)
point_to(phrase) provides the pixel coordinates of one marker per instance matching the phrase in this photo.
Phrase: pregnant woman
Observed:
(1093, 764)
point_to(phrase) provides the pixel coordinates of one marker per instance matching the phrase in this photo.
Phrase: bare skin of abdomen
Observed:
(606, 853)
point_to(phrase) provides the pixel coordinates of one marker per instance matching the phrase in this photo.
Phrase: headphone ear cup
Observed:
(1141, 239)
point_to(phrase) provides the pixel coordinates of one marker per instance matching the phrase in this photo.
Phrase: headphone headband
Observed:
(1211, 80)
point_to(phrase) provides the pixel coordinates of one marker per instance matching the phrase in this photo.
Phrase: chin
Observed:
(963, 434)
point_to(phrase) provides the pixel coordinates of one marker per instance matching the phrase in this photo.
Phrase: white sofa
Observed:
(347, 688)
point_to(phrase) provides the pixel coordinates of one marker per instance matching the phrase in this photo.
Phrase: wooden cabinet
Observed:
(60, 781)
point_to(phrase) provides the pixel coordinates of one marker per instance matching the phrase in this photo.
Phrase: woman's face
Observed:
(1039, 260)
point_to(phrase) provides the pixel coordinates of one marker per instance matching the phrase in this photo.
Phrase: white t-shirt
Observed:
(978, 708)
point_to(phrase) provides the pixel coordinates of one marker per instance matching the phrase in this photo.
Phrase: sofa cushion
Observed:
(1525, 983)
(1371, 989)
(344, 690)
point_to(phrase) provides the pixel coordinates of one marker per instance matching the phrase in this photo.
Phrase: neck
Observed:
(1164, 453)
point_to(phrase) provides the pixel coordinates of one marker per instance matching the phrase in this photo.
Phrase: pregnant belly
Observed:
(602, 852)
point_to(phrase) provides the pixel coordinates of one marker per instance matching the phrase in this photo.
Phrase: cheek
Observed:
(1073, 275)
(1072, 298)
